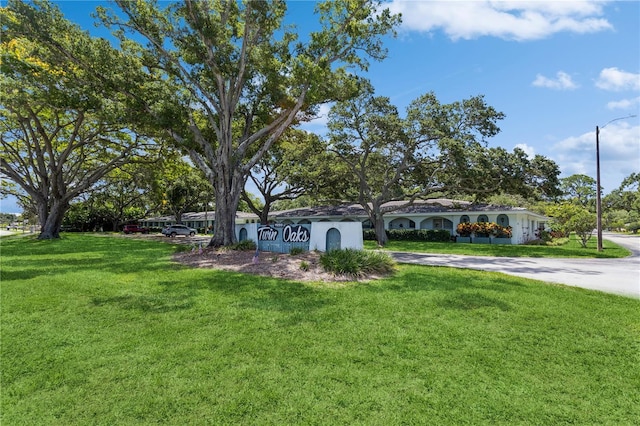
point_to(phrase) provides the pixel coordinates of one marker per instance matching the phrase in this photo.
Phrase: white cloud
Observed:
(619, 153)
(615, 79)
(624, 103)
(529, 150)
(514, 20)
(562, 81)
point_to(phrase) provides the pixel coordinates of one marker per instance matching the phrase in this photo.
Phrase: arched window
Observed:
(464, 219)
(503, 220)
(483, 218)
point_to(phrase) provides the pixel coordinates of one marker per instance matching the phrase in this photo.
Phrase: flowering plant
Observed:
(465, 229)
(503, 231)
(483, 229)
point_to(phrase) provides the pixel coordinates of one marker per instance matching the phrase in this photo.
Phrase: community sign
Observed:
(282, 238)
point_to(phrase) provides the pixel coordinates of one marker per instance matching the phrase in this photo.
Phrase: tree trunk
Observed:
(51, 220)
(378, 226)
(227, 199)
(264, 213)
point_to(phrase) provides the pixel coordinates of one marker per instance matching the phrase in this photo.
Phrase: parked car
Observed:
(132, 229)
(173, 230)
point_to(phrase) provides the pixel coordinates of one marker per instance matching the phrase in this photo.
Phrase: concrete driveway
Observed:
(618, 276)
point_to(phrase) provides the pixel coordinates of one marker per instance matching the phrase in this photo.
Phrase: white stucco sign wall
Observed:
(350, 235)
(322, 236)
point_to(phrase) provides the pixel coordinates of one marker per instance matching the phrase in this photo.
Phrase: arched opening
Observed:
(243, 234)
(464, 219)
(402, 223)
(483, 218)
(503, 220)
(436, 223)
(333, 240)
(304, 222)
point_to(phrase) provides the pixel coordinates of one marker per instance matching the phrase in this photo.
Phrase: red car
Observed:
(132, 229)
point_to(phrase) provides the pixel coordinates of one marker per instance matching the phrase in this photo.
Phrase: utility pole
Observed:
(598, 191)
(598, 187)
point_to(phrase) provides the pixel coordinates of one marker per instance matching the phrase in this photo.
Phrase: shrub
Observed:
(244, 245)
(431, 235)
(304, 266)
(357, 262)
(369, 235)
(296, 251)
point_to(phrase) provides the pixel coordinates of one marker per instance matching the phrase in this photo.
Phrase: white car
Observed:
(173, 230)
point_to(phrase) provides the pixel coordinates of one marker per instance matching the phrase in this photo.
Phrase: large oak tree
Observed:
(297, 165)
(242, 77)
(62, 130)
(394, 158)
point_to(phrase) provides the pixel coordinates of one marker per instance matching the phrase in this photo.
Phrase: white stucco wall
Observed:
(350, 235)
(252, 231)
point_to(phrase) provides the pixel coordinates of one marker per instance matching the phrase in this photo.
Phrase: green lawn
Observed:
(571, 249)
(107, 331)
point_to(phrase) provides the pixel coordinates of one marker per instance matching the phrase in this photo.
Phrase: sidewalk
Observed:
(617, 276)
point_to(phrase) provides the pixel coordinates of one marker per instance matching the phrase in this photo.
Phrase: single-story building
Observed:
(427, 214)
(423, 214)
(197, 220)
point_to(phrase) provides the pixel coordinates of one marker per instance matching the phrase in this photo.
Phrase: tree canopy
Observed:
(241, 77)
(297, 164)
(62, 130)
(393, 158)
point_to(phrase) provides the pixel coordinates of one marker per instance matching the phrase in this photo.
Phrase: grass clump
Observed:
(244, 245)
(296, 251)
(357, 262)
(304, 266)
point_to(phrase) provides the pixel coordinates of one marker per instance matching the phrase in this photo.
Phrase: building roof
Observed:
(191, 216)
(439, 205)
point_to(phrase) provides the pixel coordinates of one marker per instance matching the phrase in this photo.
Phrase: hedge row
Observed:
(432, 235)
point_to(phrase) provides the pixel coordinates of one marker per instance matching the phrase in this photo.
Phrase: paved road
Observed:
(618, 276)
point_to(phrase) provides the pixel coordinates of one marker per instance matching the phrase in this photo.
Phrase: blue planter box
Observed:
(501, 240)
(481, 240)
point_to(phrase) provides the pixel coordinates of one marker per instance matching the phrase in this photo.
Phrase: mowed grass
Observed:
(570, 249)
(105, 331)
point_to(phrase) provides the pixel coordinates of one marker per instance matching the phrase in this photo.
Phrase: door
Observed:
(243, 234)
(333, 239)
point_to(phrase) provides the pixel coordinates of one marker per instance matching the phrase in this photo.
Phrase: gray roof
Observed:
(439, 205)
(210, 215)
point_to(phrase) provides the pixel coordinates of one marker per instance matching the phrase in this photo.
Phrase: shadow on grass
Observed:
(256, 292)
(444, 278)
(153, 303)
(28, 258)
(472, 301)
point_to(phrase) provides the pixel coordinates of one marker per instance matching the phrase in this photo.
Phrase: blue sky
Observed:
(556, 69)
